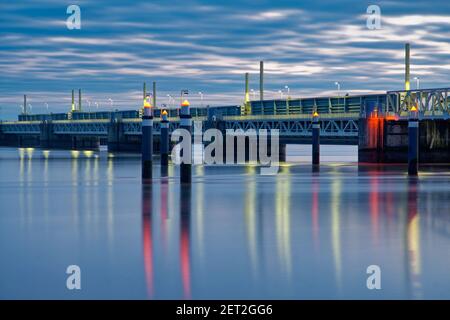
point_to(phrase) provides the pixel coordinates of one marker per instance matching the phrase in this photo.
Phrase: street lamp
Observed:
(46, 105)
(281, 94)
(201, 98)
(288, 90)
(170, 100)
(417, 82)
(338, 88)
(96, 104)
(111, 101)
(89, 104)
(253, 93)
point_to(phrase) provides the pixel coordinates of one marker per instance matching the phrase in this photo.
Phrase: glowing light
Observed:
(315, 114)
(413, 109)
(75, 153)
(164, 113)
(185, 103)
(88, 153)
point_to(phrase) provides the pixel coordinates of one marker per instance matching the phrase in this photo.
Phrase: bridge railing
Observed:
(430, 103)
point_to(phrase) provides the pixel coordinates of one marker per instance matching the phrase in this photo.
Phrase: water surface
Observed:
(232, 234)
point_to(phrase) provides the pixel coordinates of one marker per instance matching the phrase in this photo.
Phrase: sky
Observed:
(207, 46)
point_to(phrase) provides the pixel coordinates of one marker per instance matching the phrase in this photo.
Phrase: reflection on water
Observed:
(232, 234)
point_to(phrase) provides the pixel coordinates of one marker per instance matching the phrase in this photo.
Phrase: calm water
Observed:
(232, 234)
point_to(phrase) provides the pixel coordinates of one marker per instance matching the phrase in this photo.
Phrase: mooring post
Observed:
(147, 140)
(164, 139)
(315, 141)
(413, 142)
(186, 123)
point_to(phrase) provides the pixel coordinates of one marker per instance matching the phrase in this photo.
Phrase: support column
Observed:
(282, 152)
(186, 123)
(164, 140)
(315, 141)
(413, 142)
(147, 141)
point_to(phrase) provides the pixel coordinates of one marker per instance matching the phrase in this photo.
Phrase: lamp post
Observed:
(417, 82)
(96, 104)
(46, 105)
(112, 102)
(288, 90)
(338, 88)
(281, 93)
(201, 98)
(253, 94)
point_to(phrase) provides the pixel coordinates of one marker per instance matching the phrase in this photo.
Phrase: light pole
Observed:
(111, 101)
(288, 90)
(417, 82)
(89, 104)
(281, 93)
(338, 88)
(201, 98)
(46, 105)
(96, 104)
(170, 100)
(253, 93)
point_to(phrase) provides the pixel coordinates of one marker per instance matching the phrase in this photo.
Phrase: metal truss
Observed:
(431, 103)
(135, 127)
(22, 127)
(81, 127)
(329, 127)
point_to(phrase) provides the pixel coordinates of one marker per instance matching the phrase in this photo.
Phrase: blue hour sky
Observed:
(207, 46)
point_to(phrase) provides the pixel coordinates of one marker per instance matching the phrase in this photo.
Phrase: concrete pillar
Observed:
(282, 152)
(413, 143)
(46, 134)
(186, 123)
(147, 141)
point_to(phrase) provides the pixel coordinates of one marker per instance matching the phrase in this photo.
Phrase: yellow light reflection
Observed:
(335, 230)
(282, 219)
(250, 219)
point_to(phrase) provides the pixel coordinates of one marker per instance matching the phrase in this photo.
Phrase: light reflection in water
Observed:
(374, 206)
(282, 219)
(199, 213)
(185, 238)
(413, 241)
(147, 194)
(336, 229)
(250, 219)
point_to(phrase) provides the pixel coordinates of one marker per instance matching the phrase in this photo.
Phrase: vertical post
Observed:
(24, 111)
(164, 138)
(407, 64)
(315, 141)
(247, 95)
(147, 140)
(186, 123)
(413, 142)
(73, 100)
(79, 99)
(145, 92)
(154, 94)
(261, 80)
